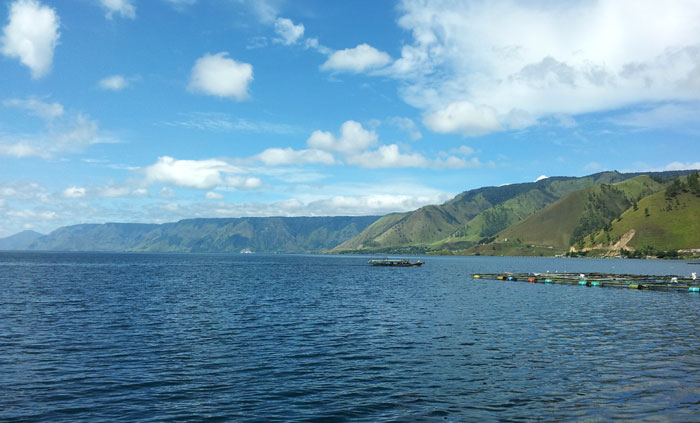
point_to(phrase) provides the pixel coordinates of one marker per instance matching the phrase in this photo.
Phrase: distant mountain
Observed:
(19, 241)
(94, 237)
(258, 234)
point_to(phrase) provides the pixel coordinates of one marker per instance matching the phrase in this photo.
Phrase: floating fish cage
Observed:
(650, 282)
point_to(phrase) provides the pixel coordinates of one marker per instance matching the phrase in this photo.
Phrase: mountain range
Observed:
(603, 214)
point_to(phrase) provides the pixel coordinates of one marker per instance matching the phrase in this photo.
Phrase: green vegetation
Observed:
(262, 234)
(661, 223)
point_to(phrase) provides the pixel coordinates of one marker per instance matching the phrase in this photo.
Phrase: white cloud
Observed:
(359, 59)
(74, 192)
(198, 174)
(220, 76)
(122, 7)
(356, 143)
(314, 44)
(287, 156)
(211, 195)
(47, 111)
(583, 57)
(114, 83)
(31, 35)
(387, 156)
(288, 31)
(23, 149)
(353, 139)
(240, 182)
(463, 117)
(681, 166)
(63, 133)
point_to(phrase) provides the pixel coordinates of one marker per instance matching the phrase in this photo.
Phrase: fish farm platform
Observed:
(650, 282)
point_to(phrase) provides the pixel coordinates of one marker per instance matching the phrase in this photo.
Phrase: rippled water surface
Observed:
(132, 338)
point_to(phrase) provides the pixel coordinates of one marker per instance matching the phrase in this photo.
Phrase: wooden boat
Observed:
(395, 262)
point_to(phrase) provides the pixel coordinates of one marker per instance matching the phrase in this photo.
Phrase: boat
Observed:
(395, 262)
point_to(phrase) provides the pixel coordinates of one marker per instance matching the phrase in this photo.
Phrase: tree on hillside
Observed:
(694, 183)
(676, 187)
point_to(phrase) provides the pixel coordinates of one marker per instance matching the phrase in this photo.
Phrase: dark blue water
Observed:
(151, 338)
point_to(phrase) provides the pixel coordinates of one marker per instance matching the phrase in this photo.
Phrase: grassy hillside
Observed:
(469, 217)
(570, 219)
(657, 221)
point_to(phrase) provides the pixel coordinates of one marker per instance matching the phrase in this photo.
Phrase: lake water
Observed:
(274, 338)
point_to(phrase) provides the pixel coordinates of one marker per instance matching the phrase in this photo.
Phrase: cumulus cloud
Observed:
(387, 156)
(288, 156)
(463, 117)
(124, 8)
(360, 147)
(221, 76)
(289, 32)
(353, 139)
(74, 192)
(244, 183)
(211, 195)
(114, 83)
(478, 67)
(359, 59)
(31, 35)
(198, 174)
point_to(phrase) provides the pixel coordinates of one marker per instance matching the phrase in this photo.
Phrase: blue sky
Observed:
(158, 110)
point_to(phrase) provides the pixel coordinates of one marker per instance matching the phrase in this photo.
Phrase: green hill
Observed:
(567, 221)
(467, 218)
(657, 223)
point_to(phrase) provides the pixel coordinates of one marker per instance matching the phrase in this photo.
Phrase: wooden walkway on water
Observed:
(628, 281)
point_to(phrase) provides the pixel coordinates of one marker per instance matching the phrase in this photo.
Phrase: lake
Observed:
(90, 337)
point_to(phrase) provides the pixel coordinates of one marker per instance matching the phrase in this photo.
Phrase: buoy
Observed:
(596, 284)
(476, 276)
(634, 286)
(694, 289)
(548, 281)
(582, 283)
(512, 278)
(532, 279)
